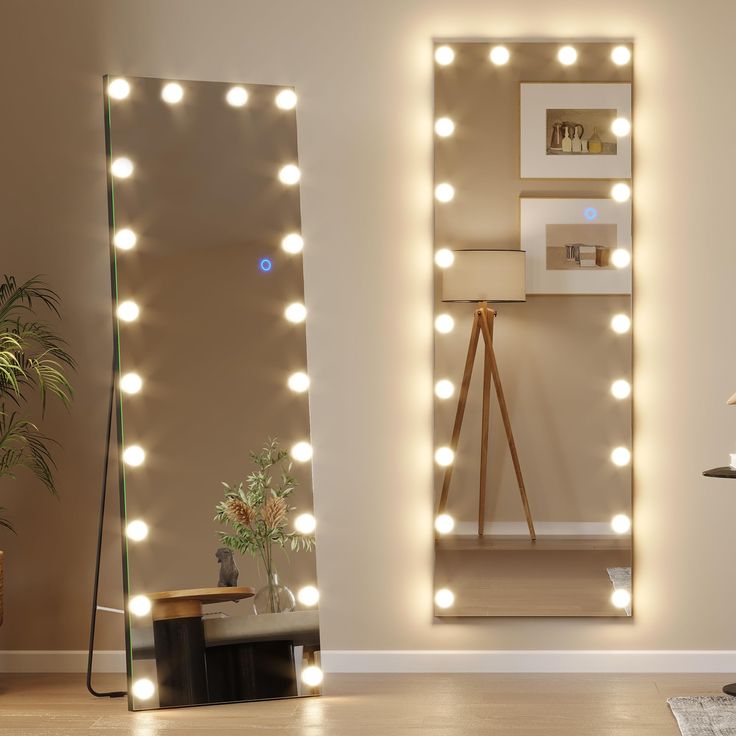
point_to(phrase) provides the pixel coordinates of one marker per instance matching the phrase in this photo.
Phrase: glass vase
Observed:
(273, 597)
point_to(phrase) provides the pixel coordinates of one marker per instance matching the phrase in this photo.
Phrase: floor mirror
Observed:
(532, 315)
(220, 587)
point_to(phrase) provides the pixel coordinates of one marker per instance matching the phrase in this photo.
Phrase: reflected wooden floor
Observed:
(512, 576)
(372, 705)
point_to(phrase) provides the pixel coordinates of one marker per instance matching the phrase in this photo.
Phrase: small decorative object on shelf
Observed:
(728, 471)
(228, 569)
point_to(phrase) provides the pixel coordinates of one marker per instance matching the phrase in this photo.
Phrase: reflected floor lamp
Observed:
(479, 277)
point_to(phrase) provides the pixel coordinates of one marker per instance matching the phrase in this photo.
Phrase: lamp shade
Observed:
(485, 276)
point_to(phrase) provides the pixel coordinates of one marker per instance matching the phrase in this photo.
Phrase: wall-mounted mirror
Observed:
(533, 357)
(220, 583)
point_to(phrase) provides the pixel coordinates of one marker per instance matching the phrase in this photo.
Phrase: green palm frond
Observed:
(22, 445)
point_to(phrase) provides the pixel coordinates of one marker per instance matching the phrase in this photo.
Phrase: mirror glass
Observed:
(220, 580)
(533, 356)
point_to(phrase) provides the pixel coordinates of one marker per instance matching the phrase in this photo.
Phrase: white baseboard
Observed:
(397, 661)
(543, 528)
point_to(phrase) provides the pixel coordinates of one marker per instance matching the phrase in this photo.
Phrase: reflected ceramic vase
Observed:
(273, 597)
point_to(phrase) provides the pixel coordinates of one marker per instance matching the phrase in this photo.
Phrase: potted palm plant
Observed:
(34, 364)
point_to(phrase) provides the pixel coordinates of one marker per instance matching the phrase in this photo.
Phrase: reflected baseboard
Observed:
(543, 528)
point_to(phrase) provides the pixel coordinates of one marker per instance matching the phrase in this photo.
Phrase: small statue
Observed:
(228, 569)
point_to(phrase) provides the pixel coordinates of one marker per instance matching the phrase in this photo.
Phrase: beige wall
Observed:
(364, 74)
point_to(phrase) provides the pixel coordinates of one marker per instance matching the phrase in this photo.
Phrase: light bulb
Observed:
(295, 312)
(621, 389)
(301, 452)
(286, 99)
(621, 192)
(620, 323)
(444, 389)
(620, 456)
(139, 605)
(444, 598)
(305, 524)
(292, 243)
(122, 167)
(136, 530)
(621, 598)
(172, 93)
(620, 523)
(444, 127)
(237, 96)
(128, 311)
(620, 127)
(499, 55)
(621, 55)
(134, 456)
(444, 323)
(620, 258)
(289, 174)
(298, 382)
(118, 88)
(125, 239)
(444, 192)
(444, 55)
(143, 689)
(444, 456)
(312, 676)
(308, 595)
(131, 383)
(444, 258)
(444, 524)
(567, 55)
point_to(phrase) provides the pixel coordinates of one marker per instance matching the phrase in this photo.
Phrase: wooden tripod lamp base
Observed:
(485, 275)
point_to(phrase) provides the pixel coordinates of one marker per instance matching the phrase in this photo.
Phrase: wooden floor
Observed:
(372, 705)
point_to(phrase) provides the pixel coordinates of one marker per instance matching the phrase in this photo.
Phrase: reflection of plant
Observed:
(258, 513)
(33, 359)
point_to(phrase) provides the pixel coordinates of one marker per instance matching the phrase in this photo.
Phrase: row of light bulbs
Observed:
(126, 239)
(500, 55)
(173, 93)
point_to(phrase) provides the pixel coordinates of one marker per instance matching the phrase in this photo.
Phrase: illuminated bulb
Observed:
(122, 167)
(308, 595)
(172, 93)
(567, 55)
(621, 55)
(444, 192)
(286, 99)
(444, 323)
(444, 389)
(444, 127)
(298, 382)
(295, 313)
(236, 96)
(292, 243)
(118, 88)
(621, 598)
(444, 456)
(620, 258)
(139, 605)
(136, 530)
(620, 323)
(620, 456)
(301, 452)
(620, 127)
(621, 192)
(143, 689)
(125, 239)
(290, 174)
(444, 598)
(444, 55)
(444, 524)
(499, 55)
(621, 389)
(444, 258)
(312, 676)
(134, 456)
(305, 524)
(620, 523)
(128, 311)
(131, 383)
